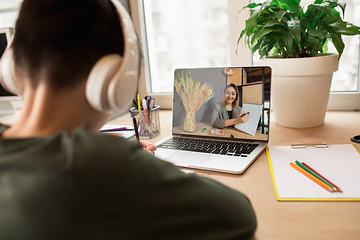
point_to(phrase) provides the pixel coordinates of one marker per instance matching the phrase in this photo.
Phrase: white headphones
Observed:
(112, 82)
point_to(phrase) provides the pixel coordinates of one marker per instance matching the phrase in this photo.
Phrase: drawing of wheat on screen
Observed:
(193, 94)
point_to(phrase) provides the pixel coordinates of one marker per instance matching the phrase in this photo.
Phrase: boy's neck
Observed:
(46, 112)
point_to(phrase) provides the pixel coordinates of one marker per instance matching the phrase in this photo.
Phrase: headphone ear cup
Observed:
(99, 79)
(123, 87)
(122, 90)
(8, 78)
(112, 82)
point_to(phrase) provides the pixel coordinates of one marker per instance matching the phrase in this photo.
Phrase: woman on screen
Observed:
(228, 113)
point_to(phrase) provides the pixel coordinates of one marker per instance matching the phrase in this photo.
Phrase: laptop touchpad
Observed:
(188, 158)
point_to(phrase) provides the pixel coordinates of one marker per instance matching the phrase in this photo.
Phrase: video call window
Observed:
(200, 92)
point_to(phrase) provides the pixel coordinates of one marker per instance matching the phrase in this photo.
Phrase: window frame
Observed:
(349, 101)
(164, 100)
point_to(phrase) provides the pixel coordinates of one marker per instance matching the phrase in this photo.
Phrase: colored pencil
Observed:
(315, 175)
(338, 189)
(139, 108)
(311, 177)
(115, 134)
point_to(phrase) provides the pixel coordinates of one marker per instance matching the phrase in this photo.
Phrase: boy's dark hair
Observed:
(60, 40)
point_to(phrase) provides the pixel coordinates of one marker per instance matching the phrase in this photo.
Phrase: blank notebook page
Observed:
(340, 164)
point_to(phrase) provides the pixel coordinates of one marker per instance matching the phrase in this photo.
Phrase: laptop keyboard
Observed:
(209, 146)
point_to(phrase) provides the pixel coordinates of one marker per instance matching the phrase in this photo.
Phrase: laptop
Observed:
(199, 139)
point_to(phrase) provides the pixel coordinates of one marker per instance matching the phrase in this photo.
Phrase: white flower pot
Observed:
(300, 89)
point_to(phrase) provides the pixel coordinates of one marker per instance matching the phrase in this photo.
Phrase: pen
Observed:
(145, 111)
(136, 130)
(135, 103)
(148, 102)
(244, 114)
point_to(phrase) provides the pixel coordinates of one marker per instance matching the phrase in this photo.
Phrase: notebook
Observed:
(198, 141)
(340, 164)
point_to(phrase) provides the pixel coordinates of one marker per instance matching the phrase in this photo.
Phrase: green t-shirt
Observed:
(86, 185)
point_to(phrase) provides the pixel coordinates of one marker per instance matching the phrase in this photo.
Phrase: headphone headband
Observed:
(129, 69)
(112, 81)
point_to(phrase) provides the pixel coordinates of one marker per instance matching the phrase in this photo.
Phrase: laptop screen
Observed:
(231, 103)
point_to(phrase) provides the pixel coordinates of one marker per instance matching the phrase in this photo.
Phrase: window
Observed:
(200, 27)
(9, 12)
(184, 34)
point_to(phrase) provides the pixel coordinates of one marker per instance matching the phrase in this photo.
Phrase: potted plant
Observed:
(293, 41)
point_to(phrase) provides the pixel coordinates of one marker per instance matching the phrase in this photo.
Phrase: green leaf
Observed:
(338, 43)
(314, 43)
(317, 33)
(241, 34)
(264, 31)
(322, 25)
(238, 41)
(295, 30)
(272, 23)
(281, 14)
(275, 51)
(332, 19)
(274, 9)
(289, 40)
(251, 22)
(267, 17)
(342, 6)
(291, 5)
(266, 4)
(251, 5)
(323, 7)
(352, 30)
(338, 26)
(282, 27)
(325, 47)
(256, 47)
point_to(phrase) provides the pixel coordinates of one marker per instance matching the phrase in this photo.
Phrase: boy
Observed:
(61, 179)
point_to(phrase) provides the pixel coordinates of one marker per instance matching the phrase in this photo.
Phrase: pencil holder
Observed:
(148, 122)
